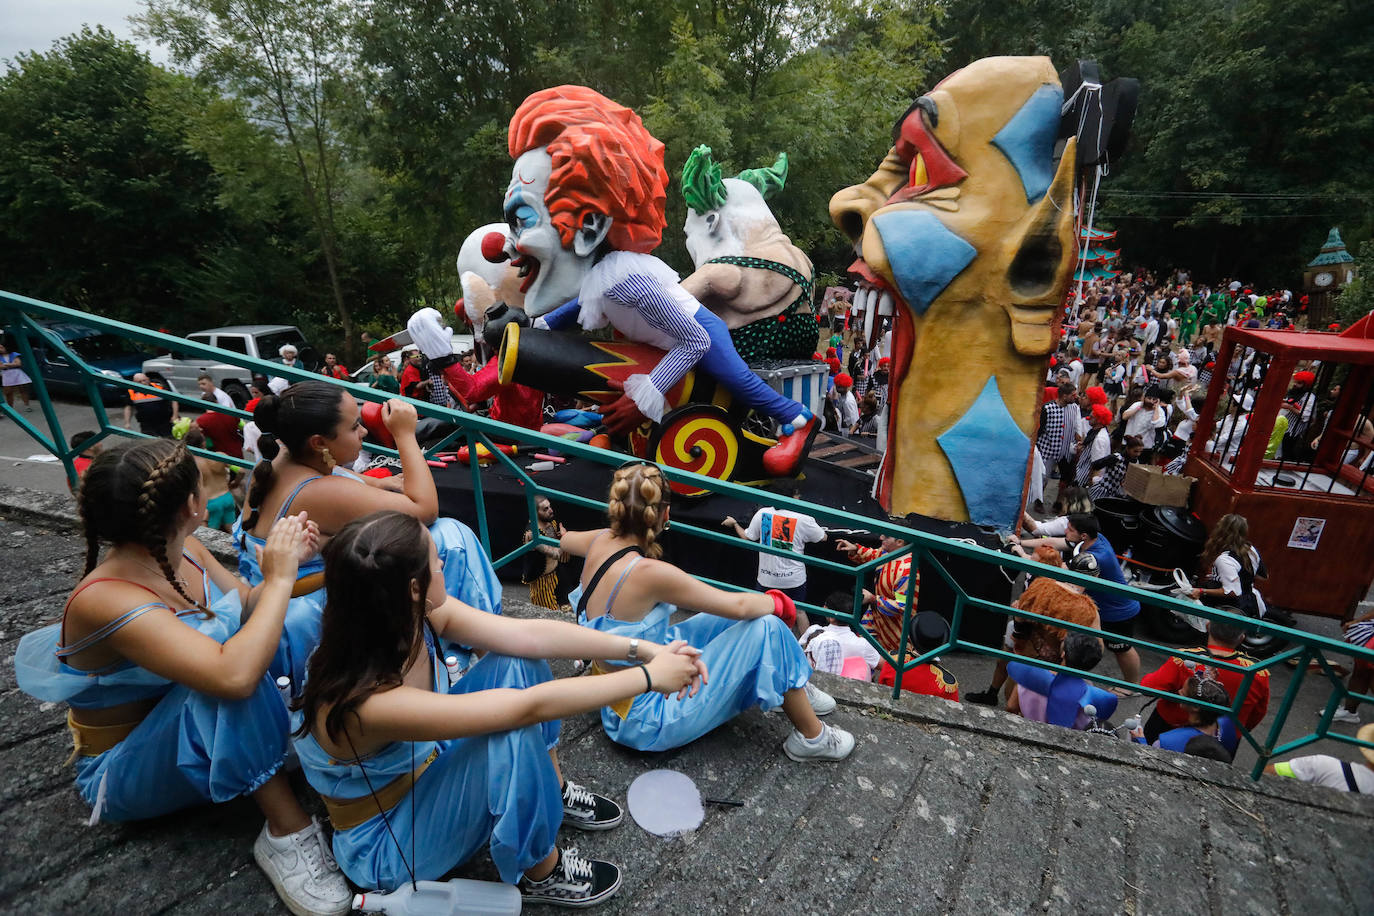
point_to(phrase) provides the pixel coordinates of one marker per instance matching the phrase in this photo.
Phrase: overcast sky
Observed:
(33, 25)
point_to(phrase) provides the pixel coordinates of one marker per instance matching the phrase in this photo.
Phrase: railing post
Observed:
(1285, 706)
(58, 445)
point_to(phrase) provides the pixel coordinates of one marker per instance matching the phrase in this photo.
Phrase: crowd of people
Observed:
(364, 632)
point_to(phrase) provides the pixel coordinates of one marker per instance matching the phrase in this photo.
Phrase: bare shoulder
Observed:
(100, 598)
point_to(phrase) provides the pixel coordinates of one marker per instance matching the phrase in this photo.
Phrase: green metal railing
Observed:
(21, 315)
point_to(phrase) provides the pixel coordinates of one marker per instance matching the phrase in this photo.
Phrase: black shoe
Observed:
(574, 882)
(984, 697)
(585, 810)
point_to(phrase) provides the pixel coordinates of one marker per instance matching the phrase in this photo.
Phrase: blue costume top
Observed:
(468, 576)
(1064, 695)
(497, 790)
(1177, 739)
(344, 779)
(42, 670)
(189, 749)
(751, 663)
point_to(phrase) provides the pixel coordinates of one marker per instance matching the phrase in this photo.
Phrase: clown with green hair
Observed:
(747, 271)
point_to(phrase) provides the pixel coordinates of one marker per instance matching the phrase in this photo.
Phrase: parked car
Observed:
(462, 343)
(260, 340)
(107, 353)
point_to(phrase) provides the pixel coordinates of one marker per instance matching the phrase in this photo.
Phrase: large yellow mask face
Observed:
(964, 233)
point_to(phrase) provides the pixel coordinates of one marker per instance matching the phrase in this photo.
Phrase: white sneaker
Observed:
(822, 703)
(303, 871)
(1345, 715)
(831, 744)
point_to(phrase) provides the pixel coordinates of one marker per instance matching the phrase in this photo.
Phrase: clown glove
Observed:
(650, 401)
(430, 334)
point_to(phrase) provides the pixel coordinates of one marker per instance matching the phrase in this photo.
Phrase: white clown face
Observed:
(550, 273)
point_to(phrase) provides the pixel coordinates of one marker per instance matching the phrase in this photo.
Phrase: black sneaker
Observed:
(585, 810)
(984, 697)
(574, 882)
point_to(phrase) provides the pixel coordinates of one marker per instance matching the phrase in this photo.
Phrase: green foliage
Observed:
(324, 159)
(105, 205)
(1357, 299)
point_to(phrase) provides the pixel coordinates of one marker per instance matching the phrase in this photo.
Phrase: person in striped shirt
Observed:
(585, 206)
(887, 602)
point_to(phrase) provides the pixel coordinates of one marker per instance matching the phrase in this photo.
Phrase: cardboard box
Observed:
(1151, 486)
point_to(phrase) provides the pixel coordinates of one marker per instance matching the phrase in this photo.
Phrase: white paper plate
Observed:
(665, 803)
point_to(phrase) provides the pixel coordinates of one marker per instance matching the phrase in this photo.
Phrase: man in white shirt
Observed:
(1151, 332)
(1331, 772)
(845, 403)
(1144, 417)
(1074, 368)
(787, 530)
(209, 391)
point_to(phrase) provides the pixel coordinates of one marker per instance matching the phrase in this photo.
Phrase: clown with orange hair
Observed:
(586, 207)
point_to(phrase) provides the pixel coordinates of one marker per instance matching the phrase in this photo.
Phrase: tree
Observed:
(1357, 299)
(105, 205)
(287, 61)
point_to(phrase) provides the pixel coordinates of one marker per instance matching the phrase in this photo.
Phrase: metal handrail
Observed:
(19, 312)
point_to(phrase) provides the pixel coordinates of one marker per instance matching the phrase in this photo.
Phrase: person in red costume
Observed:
(1223, 643)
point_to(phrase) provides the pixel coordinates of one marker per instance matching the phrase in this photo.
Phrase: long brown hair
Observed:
(130, 494)
(637, 507)
(370, 629)
(1232, 533)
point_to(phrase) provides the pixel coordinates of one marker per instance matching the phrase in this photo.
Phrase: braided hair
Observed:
(303, 410)
(1204, 687)
(131, 494)
(637, 507)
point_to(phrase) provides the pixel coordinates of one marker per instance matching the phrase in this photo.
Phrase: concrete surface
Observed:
(943, 807)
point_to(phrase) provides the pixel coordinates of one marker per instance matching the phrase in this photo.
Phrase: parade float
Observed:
(967, 235)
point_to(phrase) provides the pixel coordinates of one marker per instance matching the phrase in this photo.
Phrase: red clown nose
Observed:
(494, 247)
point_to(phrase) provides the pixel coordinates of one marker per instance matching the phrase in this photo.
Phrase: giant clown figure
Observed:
(585, 207)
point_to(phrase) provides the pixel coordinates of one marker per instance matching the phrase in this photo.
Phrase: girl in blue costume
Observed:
(398, 750)
(753, 657)
(165, 661)
(321, 428)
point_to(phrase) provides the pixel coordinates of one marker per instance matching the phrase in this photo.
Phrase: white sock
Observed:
(819, 736)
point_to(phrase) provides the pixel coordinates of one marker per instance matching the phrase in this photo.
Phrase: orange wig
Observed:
(604, 161)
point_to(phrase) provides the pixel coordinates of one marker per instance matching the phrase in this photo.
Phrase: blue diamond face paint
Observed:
(986, 450)
(924, 254)
(1027, 140)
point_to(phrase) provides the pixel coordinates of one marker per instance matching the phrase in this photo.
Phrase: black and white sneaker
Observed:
(574, 882)
(585, 810)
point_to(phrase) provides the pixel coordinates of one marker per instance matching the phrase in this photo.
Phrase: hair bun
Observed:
(265, 414)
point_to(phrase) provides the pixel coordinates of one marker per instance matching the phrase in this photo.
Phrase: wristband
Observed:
(783, 608)
(632, 654)
(648, 681)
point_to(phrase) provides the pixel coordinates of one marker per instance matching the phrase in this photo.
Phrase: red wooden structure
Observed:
(1311, 510)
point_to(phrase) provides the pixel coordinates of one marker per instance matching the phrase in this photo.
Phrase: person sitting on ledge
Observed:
(320, 427)
(753, 656)
(167, 663)
(391, 741)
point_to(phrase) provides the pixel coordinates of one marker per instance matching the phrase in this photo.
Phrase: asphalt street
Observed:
(26, 463)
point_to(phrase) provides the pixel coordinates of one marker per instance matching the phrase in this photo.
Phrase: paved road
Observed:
(943, 808)
(28, 464)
